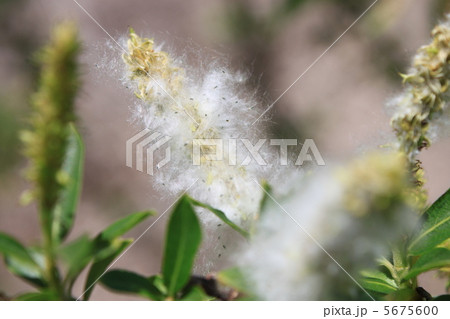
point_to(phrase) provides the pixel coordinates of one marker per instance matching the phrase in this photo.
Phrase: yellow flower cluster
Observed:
(375, 183)
(150, 70)
(144, 62)
(53, 110)
(426, 96)
(161, 83)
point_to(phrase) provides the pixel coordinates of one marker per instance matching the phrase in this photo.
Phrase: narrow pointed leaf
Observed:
(77, 255)
(378, 285)
(380, 276)
(436, 228)
(123, 225)
(32, 273)
(101, 264)
(434, 259)
(129, 282)
(265, 199)
(38, 296)
(64, 211)
(11, 248)
(182, 241)
(158, 282)
(108, 246)
(221, 216)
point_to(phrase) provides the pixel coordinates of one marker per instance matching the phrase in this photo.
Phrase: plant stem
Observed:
(51, 270)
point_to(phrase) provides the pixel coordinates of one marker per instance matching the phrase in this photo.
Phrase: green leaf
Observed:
(38, 296)
(383, 262)
(158, 282)
(29, 272)
(64, 211)
(196, 294)
(123, 225)
(221, 216)
(234, 278)
(130, 282)
(19, 260)
(9, 246)
(378, 285)
(108, 246)
(434, 259)
(77, 255)
(436, 228)
(101, 264)
(265, 199)
(378, 275)
(183, 238)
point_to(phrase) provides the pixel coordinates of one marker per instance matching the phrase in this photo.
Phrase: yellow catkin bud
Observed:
(145, 63)
(53, 109)
(424, 99)
(427, 86)
(375, 182)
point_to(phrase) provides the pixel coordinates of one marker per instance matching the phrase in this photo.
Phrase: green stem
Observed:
(51, 270)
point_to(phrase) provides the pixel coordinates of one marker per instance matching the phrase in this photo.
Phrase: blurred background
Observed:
(340, 102)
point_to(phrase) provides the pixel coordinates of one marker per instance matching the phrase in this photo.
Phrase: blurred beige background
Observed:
(339, 102)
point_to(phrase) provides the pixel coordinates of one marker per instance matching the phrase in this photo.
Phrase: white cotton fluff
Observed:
(222, 103)
(285, 259)
(225, 108)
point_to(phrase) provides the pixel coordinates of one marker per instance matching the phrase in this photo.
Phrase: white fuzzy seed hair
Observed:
(189, 104)
(282, 262)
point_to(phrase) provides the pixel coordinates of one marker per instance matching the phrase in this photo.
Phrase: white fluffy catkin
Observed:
(354, 213)
(190, 104)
